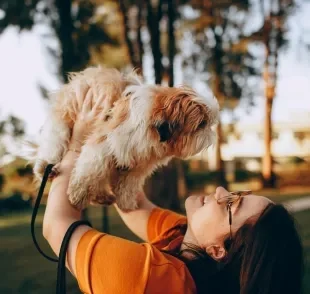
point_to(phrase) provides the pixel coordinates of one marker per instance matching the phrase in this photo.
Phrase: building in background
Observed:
(244, 145)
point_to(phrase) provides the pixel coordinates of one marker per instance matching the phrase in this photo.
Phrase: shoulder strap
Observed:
(61, 270)
(35, 211)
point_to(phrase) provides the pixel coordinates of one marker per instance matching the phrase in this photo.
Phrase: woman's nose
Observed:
(220, 192)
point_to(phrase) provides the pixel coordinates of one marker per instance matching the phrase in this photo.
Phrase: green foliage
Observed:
(2, 181)
(74, 23)
(216, 54)
(243, 175)
(14, 203)
(17, 167)
(19, 13)
(197, 180)
(24, 171)
(78, 30)
(12, 126)
(16, 126)
(296, 160)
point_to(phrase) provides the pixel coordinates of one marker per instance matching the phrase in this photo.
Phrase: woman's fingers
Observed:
(74, 103)
(98, 103)
(87, 105)
(81, 91)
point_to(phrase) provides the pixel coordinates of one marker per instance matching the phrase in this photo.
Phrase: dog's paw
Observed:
(39, 168)
(54, 172)
(127, 205)
(78, 195)
(79, 203)
(103, 199)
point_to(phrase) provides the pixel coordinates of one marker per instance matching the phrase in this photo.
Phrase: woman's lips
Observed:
(206, 198)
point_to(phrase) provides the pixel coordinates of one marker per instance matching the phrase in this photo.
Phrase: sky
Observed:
(24, 62)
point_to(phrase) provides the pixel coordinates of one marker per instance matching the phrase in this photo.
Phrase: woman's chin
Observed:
(193, 202)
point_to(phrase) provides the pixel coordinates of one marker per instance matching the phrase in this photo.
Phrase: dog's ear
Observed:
(165, 131)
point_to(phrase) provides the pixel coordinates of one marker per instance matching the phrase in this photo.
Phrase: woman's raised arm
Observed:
(137, 220)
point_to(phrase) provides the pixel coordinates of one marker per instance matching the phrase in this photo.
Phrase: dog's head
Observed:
(159, 123)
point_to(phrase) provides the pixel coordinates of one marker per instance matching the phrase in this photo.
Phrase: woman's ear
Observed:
(217, 252)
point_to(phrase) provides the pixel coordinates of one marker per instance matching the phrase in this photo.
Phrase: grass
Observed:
(303, 221)
(23, 270)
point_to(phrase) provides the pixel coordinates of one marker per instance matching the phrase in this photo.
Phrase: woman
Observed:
(228, 243)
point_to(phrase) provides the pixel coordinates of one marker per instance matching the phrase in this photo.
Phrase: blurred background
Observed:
(252, 55)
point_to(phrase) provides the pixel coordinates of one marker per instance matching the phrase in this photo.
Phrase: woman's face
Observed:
(208, 221)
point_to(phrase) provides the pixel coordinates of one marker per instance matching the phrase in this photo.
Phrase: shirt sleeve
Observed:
(108, 264)
(161, 221)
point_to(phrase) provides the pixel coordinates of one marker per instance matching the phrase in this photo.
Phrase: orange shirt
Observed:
(111, 265)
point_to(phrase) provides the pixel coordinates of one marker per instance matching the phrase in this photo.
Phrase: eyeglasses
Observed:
(230, 199)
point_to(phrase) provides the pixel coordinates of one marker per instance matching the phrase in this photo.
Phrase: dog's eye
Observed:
(165, 131)
(128, 94)
(202, 124)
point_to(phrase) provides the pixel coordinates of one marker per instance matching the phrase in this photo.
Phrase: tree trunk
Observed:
(219, 163)
(164, 187)
(171, 41)
(217, 61)
(153, 22)
(134, 58)
(267, 162)
(139, 37)
(270, 84)
(267, 159)
(64, 30)
(105, 220)
(65, 34)
(84, 214)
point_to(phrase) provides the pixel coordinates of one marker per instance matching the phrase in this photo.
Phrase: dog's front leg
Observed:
(54, 138)
(126, 189)
(89, 176)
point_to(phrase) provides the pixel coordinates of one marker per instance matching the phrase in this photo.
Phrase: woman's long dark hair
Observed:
(264, 257)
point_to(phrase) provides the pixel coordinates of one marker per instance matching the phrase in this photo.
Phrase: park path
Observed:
(298, 204)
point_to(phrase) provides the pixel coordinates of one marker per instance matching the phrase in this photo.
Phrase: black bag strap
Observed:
(61, 269)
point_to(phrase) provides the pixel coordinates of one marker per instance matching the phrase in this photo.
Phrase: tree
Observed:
(134, 45)
(271, 35)
(220, 59)
(19, 13)
(77, 34)
(163, 186)
(75, 29)
(11, 127)
(273, 38)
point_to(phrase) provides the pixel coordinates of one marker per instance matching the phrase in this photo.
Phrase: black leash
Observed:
(61, 269)
(47, 171)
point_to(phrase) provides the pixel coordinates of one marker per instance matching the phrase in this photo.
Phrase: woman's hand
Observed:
(87, 108)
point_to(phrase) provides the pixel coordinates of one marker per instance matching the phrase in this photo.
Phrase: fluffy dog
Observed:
(143, 128)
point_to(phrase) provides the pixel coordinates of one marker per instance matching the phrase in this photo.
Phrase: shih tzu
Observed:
(143, 127)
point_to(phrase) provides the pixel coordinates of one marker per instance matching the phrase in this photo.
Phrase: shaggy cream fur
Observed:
(143, 127)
